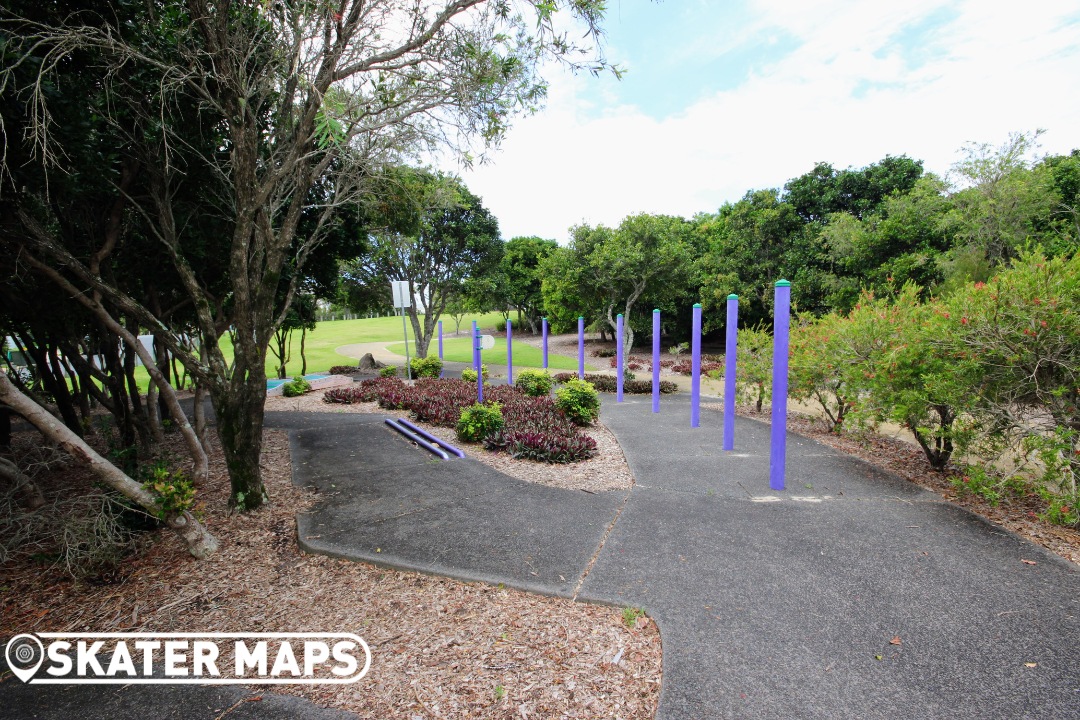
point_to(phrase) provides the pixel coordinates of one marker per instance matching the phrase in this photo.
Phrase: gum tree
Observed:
(293, 96)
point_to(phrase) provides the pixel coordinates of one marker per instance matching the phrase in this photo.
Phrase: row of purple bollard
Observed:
(781, 343)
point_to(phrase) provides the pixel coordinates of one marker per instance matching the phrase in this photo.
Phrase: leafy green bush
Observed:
(579, 401)
(429, 367)
(173, 491)
(823, 350)
(905, 373)
(1020, 334)
(389, 371)
(754, 370)
(478, 421)
(534, 383)
(296, 388)
(606, 383)
(469, 374)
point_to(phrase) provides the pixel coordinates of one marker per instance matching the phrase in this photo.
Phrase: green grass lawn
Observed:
(525, 356)
(327, 336)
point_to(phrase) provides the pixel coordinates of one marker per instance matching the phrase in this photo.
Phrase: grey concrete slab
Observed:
(782, 609)
(665, 452)
(523, 535)
(359, 446)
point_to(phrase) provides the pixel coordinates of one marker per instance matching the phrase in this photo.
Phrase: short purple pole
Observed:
(509, 353)
(581, 347)
(477, 364)
(695, 368)
(544, 333)
(781, 323)
(618, 357)
(731, 354)
(656, 361)
(440, 348)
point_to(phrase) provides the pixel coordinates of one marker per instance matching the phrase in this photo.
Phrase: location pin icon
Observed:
(24, 656)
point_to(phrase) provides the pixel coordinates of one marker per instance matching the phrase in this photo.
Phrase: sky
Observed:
(723, 97)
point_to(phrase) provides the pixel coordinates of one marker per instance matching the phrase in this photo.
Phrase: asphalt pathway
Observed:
(852, 594)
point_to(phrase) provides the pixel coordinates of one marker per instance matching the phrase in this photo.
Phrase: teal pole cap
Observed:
(656, 310)
(619, 315)
(580, 317)
(783, 283)
(732, 296)
(697, 305)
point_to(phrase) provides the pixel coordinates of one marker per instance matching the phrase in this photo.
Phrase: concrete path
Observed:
(852, 594)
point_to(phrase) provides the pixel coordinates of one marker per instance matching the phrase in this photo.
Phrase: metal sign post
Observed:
(402, 300)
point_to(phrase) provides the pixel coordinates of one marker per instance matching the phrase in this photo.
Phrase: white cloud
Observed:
(848, 95)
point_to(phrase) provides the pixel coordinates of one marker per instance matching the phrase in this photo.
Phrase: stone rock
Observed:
(368, 362)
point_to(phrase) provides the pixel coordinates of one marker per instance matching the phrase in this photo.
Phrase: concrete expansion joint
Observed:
(600, 546)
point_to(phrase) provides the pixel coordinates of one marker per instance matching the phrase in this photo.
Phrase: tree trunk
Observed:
(420, 332)
(32, 498)
(303, 357)
(200, 418)
(239, 409)
(196, 537)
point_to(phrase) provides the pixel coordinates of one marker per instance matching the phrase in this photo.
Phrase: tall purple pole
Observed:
(781, 323)
(477, 364)
(581, 347)
(695, 368)
(440, 347)
(509, 353)
(544, 333)
(618, 357)
(731, 354)
(656, 361)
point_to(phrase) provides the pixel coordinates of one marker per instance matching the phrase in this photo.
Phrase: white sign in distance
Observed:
(487, 342)
(402, 296)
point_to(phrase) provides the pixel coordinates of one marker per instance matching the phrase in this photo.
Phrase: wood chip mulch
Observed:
(441, 648)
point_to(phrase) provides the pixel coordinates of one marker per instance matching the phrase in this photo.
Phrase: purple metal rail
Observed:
(417, 439)
(431, 438)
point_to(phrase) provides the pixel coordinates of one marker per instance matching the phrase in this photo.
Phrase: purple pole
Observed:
(581, 347)
(544, 332)
(730, 358)
(440, 347)
(695, 368)
(477, 364)
(781, 322)
(509, 353)
(656, 361)
(618, 357)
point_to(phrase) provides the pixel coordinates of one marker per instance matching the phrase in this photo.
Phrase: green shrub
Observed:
(389, 371)
(296, 388)
(478, 421)
(579, 401)
(534, 383)
(173, 491)
(469, 374)
(429, 367)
